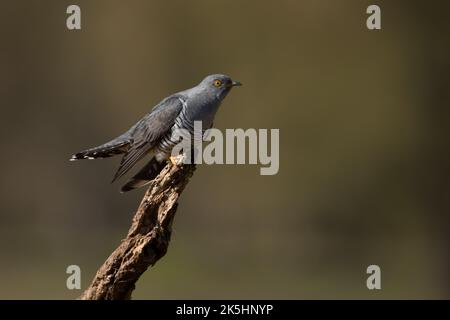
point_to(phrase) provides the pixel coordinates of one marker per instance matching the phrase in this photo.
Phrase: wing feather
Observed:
(148, 131)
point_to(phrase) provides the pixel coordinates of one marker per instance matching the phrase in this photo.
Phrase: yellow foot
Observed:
(178, 160)
(173, 160)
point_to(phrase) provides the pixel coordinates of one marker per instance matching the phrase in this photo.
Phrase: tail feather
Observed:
(106, 150)
(144, 176)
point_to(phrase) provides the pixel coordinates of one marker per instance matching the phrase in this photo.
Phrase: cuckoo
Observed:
(156, 134)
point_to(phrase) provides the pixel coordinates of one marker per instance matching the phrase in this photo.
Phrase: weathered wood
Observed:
(147, 239)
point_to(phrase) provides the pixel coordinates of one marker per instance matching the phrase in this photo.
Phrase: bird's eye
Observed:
(217, 83)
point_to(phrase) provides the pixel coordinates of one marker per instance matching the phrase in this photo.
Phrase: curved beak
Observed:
(235, 83)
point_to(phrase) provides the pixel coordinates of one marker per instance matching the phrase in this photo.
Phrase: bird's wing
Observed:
(146, 133)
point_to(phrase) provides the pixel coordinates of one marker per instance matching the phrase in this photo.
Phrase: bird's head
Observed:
(219, 85)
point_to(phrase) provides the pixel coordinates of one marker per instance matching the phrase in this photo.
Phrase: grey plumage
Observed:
(154, 133)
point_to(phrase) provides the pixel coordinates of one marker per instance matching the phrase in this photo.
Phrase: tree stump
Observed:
(147, 239)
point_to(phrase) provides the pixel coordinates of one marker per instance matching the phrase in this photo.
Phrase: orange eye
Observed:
(217, 83)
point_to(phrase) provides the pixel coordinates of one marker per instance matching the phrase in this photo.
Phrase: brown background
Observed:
(364, 158)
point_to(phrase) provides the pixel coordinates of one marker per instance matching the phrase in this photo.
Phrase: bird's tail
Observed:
(109, 149)
(145, 175)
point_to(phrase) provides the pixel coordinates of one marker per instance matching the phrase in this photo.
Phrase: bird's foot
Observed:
(178, 160)
(173, 161)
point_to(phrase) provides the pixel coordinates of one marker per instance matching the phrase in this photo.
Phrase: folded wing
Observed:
(146, 134)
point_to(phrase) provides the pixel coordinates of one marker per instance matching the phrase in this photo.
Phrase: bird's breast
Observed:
(203, 111)
(193, 110)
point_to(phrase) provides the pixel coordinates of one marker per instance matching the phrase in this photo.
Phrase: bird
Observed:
(155, 133)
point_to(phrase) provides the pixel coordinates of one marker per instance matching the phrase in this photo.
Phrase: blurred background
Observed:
(364, 146)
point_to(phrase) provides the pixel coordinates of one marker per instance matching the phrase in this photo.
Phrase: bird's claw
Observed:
(173, 161)
(177, 161)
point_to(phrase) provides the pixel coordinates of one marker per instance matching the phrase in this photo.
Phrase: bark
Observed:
(147, 239)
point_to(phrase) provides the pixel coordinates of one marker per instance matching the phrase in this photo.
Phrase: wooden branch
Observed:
(147, 239)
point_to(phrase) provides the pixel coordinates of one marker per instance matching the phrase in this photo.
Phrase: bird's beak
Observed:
(235, 83)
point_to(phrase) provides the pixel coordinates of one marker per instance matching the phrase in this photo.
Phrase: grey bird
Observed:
(154, 133)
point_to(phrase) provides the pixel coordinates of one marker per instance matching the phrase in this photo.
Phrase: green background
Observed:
(364, 146)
